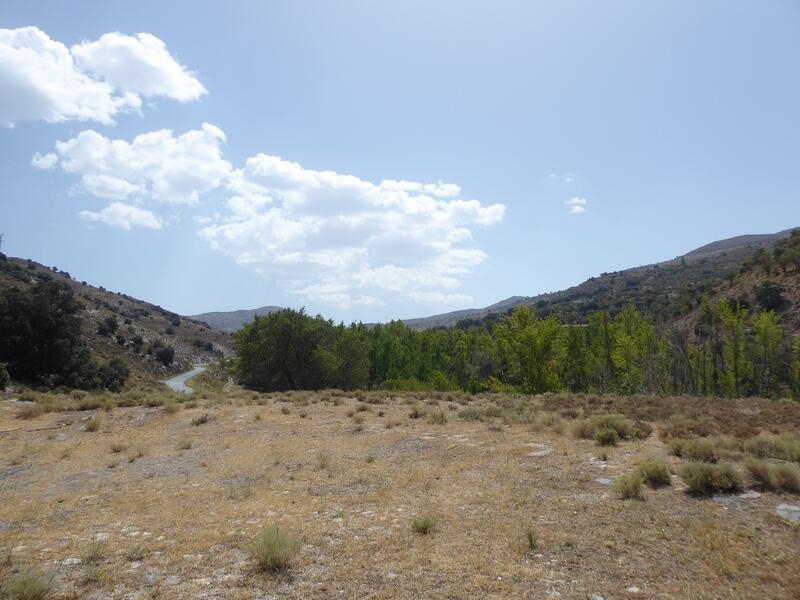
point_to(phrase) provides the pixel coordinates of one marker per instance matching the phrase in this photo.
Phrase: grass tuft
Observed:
(424, 524)
(629, 487)
(274, 549)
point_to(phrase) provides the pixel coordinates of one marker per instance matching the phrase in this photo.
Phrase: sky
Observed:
(380, 160)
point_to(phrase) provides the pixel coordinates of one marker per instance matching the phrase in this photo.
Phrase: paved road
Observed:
(178, 383)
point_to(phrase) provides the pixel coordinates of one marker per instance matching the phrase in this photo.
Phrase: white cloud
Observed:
(341, 240)
(140, 64)
(155, 165)
(42, 79)
(123, 216)
(44, 161)
(576, 205)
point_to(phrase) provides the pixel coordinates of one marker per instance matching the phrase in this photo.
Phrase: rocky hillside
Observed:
(667, 290)
(116, 325)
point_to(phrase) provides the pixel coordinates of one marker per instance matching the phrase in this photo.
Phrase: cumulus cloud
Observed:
(44, 161)
(42, 79)
(341, 240)
(325, 236)
(156, 165)
(140, 64)
(124, 216)
(576, 205)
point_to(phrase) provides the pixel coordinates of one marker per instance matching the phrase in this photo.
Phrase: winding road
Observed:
(178, 383)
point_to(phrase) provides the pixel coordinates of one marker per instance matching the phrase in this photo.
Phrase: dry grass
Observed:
(182, 518)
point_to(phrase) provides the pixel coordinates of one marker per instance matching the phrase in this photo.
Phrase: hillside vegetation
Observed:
(666, 291)
(148, 340)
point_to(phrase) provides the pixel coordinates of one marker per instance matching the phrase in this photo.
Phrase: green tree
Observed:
(532, 349)
(767, 353)
(737, 369)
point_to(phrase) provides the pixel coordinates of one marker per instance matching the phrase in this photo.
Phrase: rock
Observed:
(790, 512)
(596, 597)
(632, 589)
(72, 561)
(604, 481)
(750, 495)
(172, 580)
(102, 537)
(542, 449)
(152, 577)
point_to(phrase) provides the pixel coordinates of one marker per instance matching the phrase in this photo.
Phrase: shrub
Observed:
(606, 437)
(438, 417)
(28, 586)
(760, 473)
(531, 539)
(704, 479)
(184, 444)
(785, 446)
(655, 472)
(775, 477)
(629, 487)
(118, 447)
(5, 378)
(201, 420)
(588, 428)
(705, 449)
(165, 355)
(92, 424)
(424, 524)
(274, 549)
(786, 477)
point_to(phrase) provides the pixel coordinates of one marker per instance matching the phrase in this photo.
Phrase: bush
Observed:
(5, 378)
(705, 449)
(785, 446)
(629, 487)
(165, 355)
(424, 524)
(274, 549)
(704, 479)
(778, 477)
(786, 477)
(438, 417)
(588, 428)
(28, 586)
(606, 437)
(92, 424)
(655, 472)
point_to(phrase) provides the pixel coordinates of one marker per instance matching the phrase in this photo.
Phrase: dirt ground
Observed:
(153, 506)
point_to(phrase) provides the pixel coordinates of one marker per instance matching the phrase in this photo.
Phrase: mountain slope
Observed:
(666, 290)
(139, 324)
(233, 320)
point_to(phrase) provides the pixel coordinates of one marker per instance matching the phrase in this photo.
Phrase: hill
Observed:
(116, 325)
(233, 320)
(666, 290)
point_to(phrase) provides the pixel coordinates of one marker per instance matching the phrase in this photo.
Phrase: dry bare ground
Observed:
(164, 503)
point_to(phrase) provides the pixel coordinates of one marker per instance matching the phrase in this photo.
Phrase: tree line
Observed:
(730, 353)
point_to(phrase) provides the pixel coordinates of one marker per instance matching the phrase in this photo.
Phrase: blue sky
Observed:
(581, 137)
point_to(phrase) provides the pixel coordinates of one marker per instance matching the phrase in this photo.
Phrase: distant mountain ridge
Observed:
(662, 281)
(232, 321)
(655, 287)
